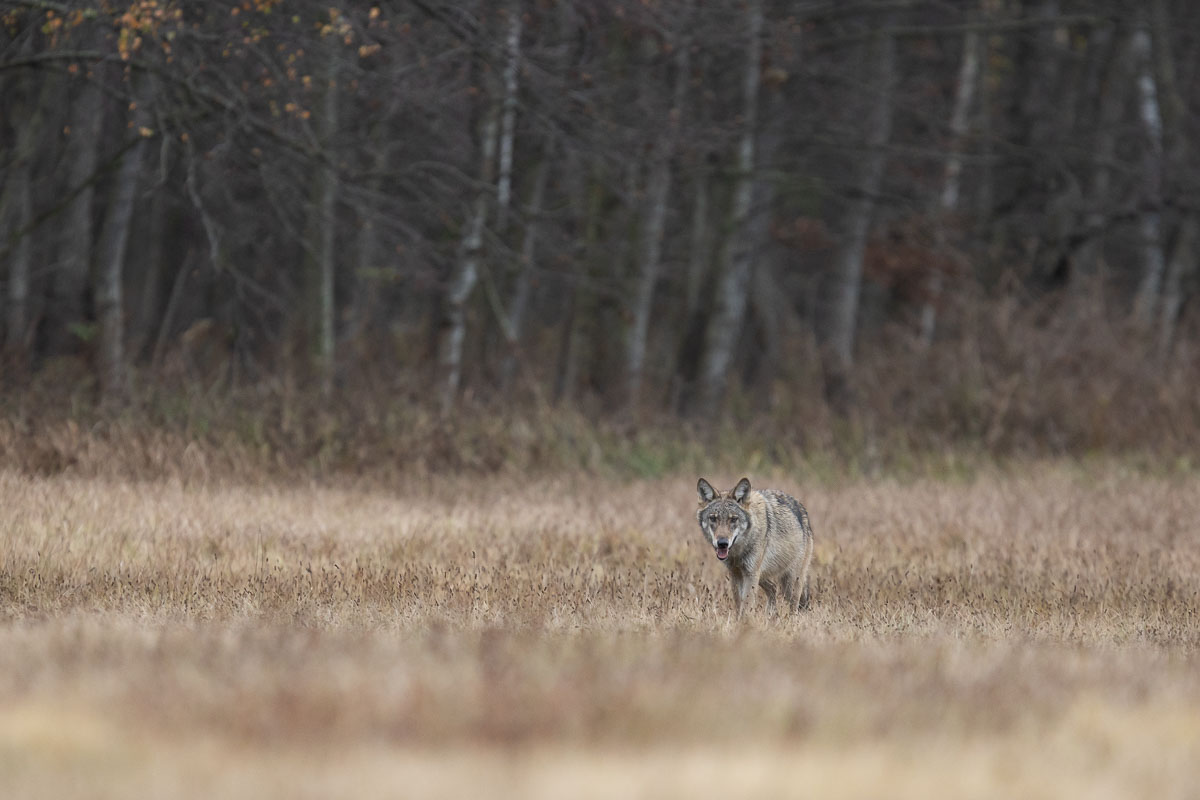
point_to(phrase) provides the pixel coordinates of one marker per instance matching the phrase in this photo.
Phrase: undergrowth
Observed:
(1007, 382)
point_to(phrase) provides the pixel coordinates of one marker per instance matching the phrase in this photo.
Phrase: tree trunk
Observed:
(114, 240)
(524, 283)
(700, 243)
(514, 323)
(1180, 269)
(985, 189)
(508, 119)
(848, 258)
(66, 308)
(765, 315)
(643, 295)
(167, 324)
(1043, 112)
(733, 282)
(466, 270)
(654, 217)
(16, 212)
(586, 197)
(689, 339)
(1182, 263)
(368, 253)
(1114, 94)
(1150, 217)
(948, 200)
(149, 278)
(18, 205)
(508, 319)
(323, 235)
(1040, 53)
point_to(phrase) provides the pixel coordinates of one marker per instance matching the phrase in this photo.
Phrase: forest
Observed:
(941, 221)
(358, 363)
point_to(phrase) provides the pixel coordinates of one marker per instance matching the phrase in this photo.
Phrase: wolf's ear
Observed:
(742, 491)
(707, 494)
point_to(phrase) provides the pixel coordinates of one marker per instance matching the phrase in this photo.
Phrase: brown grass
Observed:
(1024, 632)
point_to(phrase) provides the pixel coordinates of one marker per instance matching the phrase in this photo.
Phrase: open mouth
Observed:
(722, 551)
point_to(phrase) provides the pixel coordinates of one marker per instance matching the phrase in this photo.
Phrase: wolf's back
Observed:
(787, 516)
(788, 531)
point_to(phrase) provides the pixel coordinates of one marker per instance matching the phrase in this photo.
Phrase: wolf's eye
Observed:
(712, 517)
(733, 520)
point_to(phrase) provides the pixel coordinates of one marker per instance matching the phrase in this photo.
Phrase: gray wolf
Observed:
(764, 539)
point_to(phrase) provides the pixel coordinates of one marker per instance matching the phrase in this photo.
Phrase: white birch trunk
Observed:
(948, 201)
(1150, 218)
(508, 122)
(466, 271)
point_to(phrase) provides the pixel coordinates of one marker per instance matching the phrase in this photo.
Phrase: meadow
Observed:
(1022, 630)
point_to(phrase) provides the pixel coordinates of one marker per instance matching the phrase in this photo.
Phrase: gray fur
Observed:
(767, 538)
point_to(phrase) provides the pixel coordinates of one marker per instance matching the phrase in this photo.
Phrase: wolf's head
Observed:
(722, 515)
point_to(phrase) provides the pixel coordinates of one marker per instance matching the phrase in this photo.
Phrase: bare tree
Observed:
(66, 313)
(948, 198)
(466, 268)
(513, 322)
(17, 211)
(1180, 268)
(1181, 264)
(323, 230)
(543, 152)
(658, 187)
(18, 208)
(1145, 304)
(734, 282)
(1114, 94)
(848, 258)
(700, 244)
(114, 240)
(508, 115)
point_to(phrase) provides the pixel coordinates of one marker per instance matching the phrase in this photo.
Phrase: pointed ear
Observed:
(707, 494)
(741, 492)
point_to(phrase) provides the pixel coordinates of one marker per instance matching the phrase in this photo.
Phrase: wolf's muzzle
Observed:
(722, 546)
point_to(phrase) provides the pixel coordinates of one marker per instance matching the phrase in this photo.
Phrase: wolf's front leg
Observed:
(769, 588)
(743, 593)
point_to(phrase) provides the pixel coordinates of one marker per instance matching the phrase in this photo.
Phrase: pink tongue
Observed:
(722, 553)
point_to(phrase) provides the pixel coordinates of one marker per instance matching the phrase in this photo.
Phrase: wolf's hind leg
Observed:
(789, 590)
(805, 597)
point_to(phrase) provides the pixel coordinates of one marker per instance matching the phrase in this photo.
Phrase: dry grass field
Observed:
(1025, 632)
